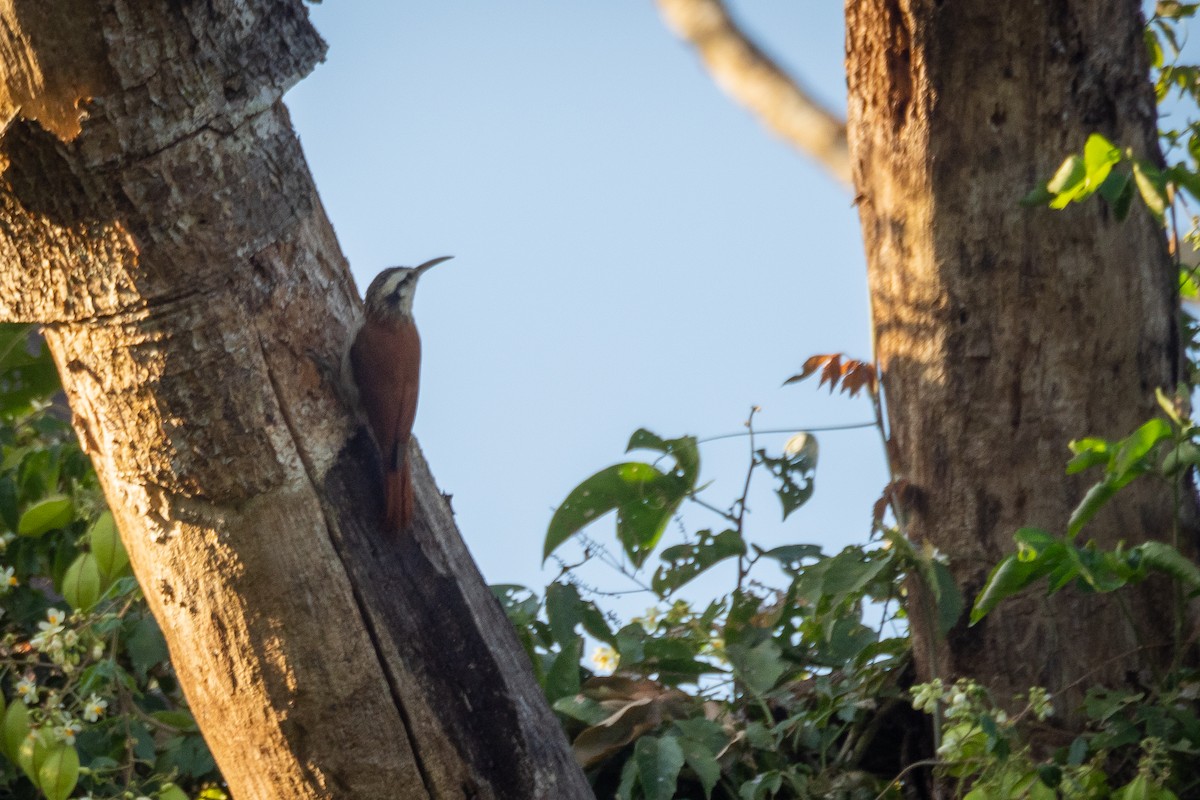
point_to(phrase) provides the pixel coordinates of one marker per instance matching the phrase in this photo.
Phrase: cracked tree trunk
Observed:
(157, 216)
(1003, 332)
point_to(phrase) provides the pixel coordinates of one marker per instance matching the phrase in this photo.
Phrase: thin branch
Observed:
(847, 427)
(754, 80)
(741, 502)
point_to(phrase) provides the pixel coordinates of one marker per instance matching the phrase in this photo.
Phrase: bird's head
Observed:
(390, 295)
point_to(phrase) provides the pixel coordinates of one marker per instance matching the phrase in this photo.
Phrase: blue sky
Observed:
(632, 250)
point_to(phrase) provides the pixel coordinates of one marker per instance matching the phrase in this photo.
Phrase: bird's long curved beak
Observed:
(431, 263)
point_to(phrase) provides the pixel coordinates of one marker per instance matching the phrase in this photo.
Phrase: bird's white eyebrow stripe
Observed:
(394, 281)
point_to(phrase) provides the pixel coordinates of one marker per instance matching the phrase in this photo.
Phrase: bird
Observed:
(386, 363)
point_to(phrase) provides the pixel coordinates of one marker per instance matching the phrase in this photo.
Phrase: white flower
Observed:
(47, 639)
(605, 658)
(94, 708)
(27, 688)
(648, 621)
(66, 733)
(8, 579)
(802, 445)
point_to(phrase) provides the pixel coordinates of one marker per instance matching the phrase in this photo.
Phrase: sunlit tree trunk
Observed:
(156, 214)
(1003, 332)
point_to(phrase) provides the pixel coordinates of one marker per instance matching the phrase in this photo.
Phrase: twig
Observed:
(741, 502)
(757, 82)
(818, 429)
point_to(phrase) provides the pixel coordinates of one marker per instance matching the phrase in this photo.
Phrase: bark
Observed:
(157, 216)
(1004, 332)
(752, 78)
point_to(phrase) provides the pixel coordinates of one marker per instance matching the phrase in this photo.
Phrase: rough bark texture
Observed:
(1004, 332)
(754, 80)
(157, 216)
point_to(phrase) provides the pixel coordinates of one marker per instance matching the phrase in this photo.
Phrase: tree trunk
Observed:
(1003, 332)
(157, 216)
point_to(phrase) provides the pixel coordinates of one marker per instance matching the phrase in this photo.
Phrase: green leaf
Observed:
(1185, 455)
(629, 774)
(759, 667)
(674, 659)
(792, 556)
(685, 450)
(27, 371)
(1151, 186)
(708, 733)
(170, 791)
(562, 680)
(1092, 502)
(1069, 178)
(1078, 751)
(1185, 178)
(38, 474)
(645, 500)
(1099, 157)
(46, 515)
(186, 755)
(1140, 788)
(181, 720)
(761, 786)
(845, 640)
(1086, 460)
(1189, 287)
(81, 585)
(564, 610)
(1123, 201)
(15, 729)
(59, 772)
(1117, 191)
(519, 603)
(702, 761)
(582, 708)
(106, 544)
(1165, 558)
(1038, 196)
(31, 754)
(795, 475)
(1089, 452)
(9, 510)
(685, 561)
(1137, 445)
(850, 572)
(595, 623)
(1011, 576)
(1153, 48)
(631, 644)
(146, 646)
(659, 761)
(949, 598)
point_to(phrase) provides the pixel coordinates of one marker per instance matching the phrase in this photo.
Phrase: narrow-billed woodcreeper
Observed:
(386, 359)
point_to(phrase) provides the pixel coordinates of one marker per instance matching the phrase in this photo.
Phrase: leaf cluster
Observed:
(88, 700)
(766, 691)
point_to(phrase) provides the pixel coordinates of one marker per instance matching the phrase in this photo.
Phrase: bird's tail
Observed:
(399, 498)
